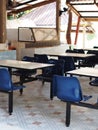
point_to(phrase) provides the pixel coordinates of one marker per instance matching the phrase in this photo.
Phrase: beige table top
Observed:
(86, 71)
(78, 55)
(23, 64)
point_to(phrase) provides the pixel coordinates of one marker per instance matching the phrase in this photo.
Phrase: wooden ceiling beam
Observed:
(28, 7)
(91, 19)
(78, 13)
(73, 9)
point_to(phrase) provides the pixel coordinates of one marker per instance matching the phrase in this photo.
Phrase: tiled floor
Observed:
(35, 111)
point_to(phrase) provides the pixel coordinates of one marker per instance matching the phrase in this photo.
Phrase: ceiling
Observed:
(23, 5)
(85, 9)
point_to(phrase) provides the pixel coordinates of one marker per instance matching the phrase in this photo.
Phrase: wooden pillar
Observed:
(68, 33)
(77, 31)
(57, 19)
(2, 21)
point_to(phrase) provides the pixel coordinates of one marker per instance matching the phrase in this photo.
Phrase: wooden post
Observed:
(77, 31)
(58, 19)
(2, 21)
(68, 33)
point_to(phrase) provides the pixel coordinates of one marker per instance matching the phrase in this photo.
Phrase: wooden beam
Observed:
(58, 19)
(28, 7)
(2, 21)
(68, 33)
(77, 31)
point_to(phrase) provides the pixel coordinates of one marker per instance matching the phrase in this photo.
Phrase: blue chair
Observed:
(79, 51)
(89, 61)
(75, 51)
(41, 58)
(95, 46)
(28, 72)
(76, 59)
(72, 51)
(69, 63)
(94, 82)
(8, 87)
(24, 74)
(47, 74)
(29, 58)
(68, 89)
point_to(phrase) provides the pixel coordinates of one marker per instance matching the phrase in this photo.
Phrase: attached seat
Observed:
(89, 61)
(25, 74)
(94, 82)
(47, 74)
(79, 60)
(79, 51)
(76, 59)
(6, 86)
(95, 47)
(68, 63)
(68, 90)
(41, 58)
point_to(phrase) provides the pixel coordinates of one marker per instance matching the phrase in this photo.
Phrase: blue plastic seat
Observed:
(69, 63)
(89, 61)
(77, 59)
(8, 87)
(94, 82)
(28, 72)
(48, 73)
(72, 51)
(24, 74)
(41, 58)
(79, 51)
(68, 89)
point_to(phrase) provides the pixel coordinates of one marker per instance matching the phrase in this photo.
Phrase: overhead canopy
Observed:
(44, 16)
(86, 9)
(23, 5)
